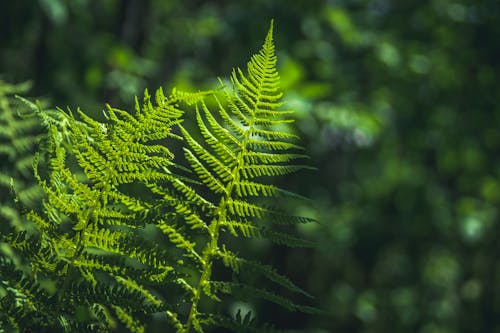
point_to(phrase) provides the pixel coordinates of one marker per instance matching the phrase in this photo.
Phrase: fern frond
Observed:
(283, 238)
(205, 175)
(184, 203)
(220, 131)
(249, 292)
(253, 171)
(189, 97)
(236, 264)
(130, 284)
(221, 168)
(229, 121)
(128, 320)
(272, 145)
(245, 209)
(247, 188)
(104, 315)
(178, 239)
(247, 324)
(246, 228)
(258, 157)
(238, 150)
(88, 216)
(19, 137)
(127, 229)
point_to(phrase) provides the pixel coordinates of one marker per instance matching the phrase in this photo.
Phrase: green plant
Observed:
(129, 229)
(19, 136)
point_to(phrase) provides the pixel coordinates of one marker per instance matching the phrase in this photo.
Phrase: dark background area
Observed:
(397, 103)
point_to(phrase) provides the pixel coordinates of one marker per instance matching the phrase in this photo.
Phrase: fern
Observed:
(88, 240)
(113, 184)
(240, 147)
(19, 136)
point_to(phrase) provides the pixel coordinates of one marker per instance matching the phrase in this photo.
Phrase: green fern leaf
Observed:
(238, 150)
(127, 229)
(236, 264)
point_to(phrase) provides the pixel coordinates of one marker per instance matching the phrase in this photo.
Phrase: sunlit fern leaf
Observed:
(238, 148)
(88, 225)
(190, 98)
(46, 117)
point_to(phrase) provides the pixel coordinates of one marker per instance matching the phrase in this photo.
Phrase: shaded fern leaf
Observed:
(19, 137)
(237, 264)
(245, 291)
(244, 324)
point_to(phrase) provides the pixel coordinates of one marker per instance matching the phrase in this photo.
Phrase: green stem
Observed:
(206, 274)
(75, 256)
(212, 245)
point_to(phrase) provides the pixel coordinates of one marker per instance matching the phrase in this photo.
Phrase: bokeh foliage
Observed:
(398, 101)
(20, 133)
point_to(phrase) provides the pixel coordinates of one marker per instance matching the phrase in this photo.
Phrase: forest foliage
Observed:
(128, 230)
(397, 104)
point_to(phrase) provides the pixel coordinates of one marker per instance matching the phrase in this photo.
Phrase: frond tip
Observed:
(269, 36)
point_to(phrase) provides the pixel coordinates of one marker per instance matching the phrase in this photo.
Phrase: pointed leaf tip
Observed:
(271, 28)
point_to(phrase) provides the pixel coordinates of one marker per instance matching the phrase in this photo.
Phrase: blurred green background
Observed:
(398, 105)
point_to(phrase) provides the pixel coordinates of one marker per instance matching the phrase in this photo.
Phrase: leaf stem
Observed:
(212, 245)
